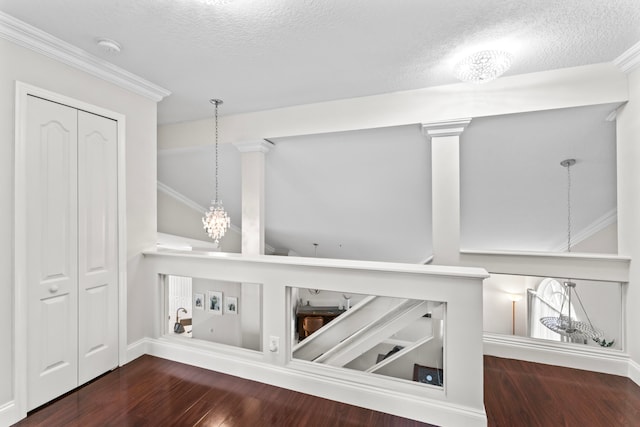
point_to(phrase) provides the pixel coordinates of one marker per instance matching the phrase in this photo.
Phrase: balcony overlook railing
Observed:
(322, 364)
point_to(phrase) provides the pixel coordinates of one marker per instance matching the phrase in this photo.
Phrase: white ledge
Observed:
(434, 270)
(587, 266)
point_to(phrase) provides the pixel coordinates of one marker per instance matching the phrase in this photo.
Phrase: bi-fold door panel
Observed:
(51, 132)
(97, 247)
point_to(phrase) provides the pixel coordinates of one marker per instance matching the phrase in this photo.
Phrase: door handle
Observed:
(53, 289)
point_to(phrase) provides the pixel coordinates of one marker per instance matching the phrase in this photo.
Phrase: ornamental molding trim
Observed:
(445, 128)
(599, 224)
(629, 60)
(261, 146)
(30, 37)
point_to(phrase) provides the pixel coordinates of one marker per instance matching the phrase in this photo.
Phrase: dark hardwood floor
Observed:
(156, 392)
(518, 393)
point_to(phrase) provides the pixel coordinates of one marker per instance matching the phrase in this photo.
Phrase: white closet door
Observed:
(51, 132)
(98, 245)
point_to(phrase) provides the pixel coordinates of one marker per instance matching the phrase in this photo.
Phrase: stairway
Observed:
(369, 323)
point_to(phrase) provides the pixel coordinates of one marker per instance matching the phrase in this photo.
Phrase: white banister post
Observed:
(253, 160)
(253, 169)
(445, 194)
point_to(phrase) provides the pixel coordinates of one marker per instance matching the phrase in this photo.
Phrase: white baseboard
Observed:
(634, 371)
(253, 367)
(550, 353)
(137, 349)
(9, 413)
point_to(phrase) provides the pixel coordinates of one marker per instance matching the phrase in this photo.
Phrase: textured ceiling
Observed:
(373, 200)
(258, 54)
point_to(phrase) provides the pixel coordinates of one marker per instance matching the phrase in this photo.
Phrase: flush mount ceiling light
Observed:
(483, 66)
(108, 45)
(216, 221)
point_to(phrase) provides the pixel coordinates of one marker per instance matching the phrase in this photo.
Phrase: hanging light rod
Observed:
(216, 220)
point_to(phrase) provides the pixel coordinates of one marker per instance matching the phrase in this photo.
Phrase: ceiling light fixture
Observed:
(564, 324)
(483, 66)
(216, 220)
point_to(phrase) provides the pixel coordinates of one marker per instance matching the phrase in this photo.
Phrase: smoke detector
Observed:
(108, 45)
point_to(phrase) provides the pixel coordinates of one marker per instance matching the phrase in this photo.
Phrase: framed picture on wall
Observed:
(198, 301)
(214, 302)
(231, 305)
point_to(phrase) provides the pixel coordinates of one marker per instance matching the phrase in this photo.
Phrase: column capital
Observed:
(261, 146)
(445, 128)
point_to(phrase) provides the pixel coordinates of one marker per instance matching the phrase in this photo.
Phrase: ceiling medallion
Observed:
(483, 66)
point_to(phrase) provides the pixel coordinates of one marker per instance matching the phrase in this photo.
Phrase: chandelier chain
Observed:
(569, 207)
(216, 136)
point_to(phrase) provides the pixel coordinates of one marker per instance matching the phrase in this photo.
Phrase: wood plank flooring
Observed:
(522, 394)
(156, 392)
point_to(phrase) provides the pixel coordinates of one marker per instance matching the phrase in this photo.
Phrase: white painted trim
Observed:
(634, 371)
(182, 198)
(604, 267)
(137, 349)
(445, 128)
(25, 35)
(575, 356)
(630, 59)
(122, 239)
(9, 413)
(599, 224)
(20, 206)
(198, 208)
(380, 399)
(20, 258)
(260, 146)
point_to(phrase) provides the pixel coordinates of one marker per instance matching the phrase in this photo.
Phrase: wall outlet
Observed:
(274, 344)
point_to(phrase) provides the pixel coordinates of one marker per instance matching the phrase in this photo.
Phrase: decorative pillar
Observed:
(252, 162)
(253, 169)
(445, 193)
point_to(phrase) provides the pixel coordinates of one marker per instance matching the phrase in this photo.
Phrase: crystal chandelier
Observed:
(483, 66)
(565, 324)
(216, 221)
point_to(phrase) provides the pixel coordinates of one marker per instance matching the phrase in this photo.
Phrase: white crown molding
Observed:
(445, 128)
(260, 146)
(28, 36)
(199, 208)
(599, 224)
(629, 60)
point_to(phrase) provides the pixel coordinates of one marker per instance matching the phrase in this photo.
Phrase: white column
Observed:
(445, 193)
(253, 176)
(253, 169)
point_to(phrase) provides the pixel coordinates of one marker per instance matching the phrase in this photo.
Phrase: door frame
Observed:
(20, 262)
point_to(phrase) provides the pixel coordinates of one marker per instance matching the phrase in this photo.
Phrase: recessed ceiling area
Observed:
(367, 194)
(257, 54)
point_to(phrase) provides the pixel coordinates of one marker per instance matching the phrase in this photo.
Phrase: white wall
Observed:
(25, 65)
(604, 241)
(224, 328)
(497, 307)
(174, 217)
(628, 131)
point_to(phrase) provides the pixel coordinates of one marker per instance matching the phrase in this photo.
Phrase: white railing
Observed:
(458, 402)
